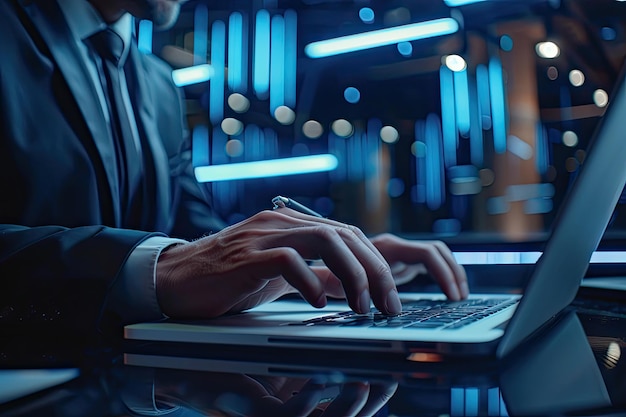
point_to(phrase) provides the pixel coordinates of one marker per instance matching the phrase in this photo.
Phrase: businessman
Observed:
(98, 209)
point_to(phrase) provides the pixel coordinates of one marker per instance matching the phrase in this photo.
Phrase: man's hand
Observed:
(264, 257)
(409, 257)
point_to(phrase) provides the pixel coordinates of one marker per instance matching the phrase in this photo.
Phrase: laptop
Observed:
(496, 330)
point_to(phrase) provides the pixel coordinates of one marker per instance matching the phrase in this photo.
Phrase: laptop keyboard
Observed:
(421, 314)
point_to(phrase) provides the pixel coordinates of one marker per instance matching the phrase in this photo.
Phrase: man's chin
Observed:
(162, 13)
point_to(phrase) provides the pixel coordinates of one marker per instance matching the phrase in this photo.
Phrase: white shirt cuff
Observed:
(133, 296)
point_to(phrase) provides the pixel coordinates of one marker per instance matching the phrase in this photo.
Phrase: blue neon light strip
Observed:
(476, 132)
(484, 98)
(434, 163)
(269, 168)
(471, 402)
(461, 99)
(192, 75)
(200, 31)
(277, 63)
(200, 154)
(236, 53)
(291, 57)
(381, 37)
(261, 75)
(144, 36)
(457, 3)
(521, 258)
(217, 82)
(448, 116)
(498, 105)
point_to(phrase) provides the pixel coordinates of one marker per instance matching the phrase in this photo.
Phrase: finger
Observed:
(305, 400)
(379, 395)
(458, 271)
(332, 284)
(314, 219)
(287, 262)
(434, 255)
(363, 274)
(350, 401)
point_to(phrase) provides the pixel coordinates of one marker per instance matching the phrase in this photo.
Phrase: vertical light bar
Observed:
(457, 402)
(498, 105)
(235, 53)
(448, 116)
(200, 34)
(484, 98)
(144, 36)
(471, 402)
(476, 133)
(261, 75)
(461, 100)
(277, 63)
(493, 402)
(373, 162)
(218, 62)
(252, 143)
(291, 57)
(200, 153)
(420, 162)
(434, 163)
(541, 145)
(218, 147)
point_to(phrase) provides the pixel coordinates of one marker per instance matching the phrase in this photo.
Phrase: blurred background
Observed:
(463, 120)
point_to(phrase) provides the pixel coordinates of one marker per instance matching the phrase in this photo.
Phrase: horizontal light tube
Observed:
(268, 168)
(381, 37)
(520, 258)
(456, 3)
(192, 75)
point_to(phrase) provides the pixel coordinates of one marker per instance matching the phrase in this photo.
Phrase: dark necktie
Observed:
(110, 47)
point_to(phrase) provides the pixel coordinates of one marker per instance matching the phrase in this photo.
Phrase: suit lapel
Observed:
(49, 20)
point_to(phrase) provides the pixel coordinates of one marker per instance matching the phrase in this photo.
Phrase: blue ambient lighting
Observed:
(144, 36)
(192, 75)
(498, 105)
(448, 116)
(352, 95)
(366, 15)
(268, 168)
(217, 82)
(261, 74)
(236, 68)
(405, 49)
(457, 3)
(382, 37)
(200, 153)
(521, 258)
(461, 101)
(200, 30)
(277, 63)
(291, 57)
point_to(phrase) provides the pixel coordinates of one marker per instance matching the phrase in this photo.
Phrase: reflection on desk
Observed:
(572, 368)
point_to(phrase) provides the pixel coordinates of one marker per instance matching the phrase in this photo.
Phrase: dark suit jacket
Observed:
(64, 238)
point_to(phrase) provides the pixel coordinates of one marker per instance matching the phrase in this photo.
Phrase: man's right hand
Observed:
(264, 257)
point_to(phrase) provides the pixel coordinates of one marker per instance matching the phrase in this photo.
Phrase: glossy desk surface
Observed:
(574, 367)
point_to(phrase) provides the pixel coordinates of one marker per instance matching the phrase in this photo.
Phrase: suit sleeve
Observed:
(58, 279)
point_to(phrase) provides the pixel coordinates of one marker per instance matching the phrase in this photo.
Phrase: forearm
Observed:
(58, 279)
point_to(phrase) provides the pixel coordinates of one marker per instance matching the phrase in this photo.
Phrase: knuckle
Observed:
(286, 255)
(324, 232)
(383, 270)
(265, 215)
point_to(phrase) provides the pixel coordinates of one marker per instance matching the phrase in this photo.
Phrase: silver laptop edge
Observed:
(578, 228)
